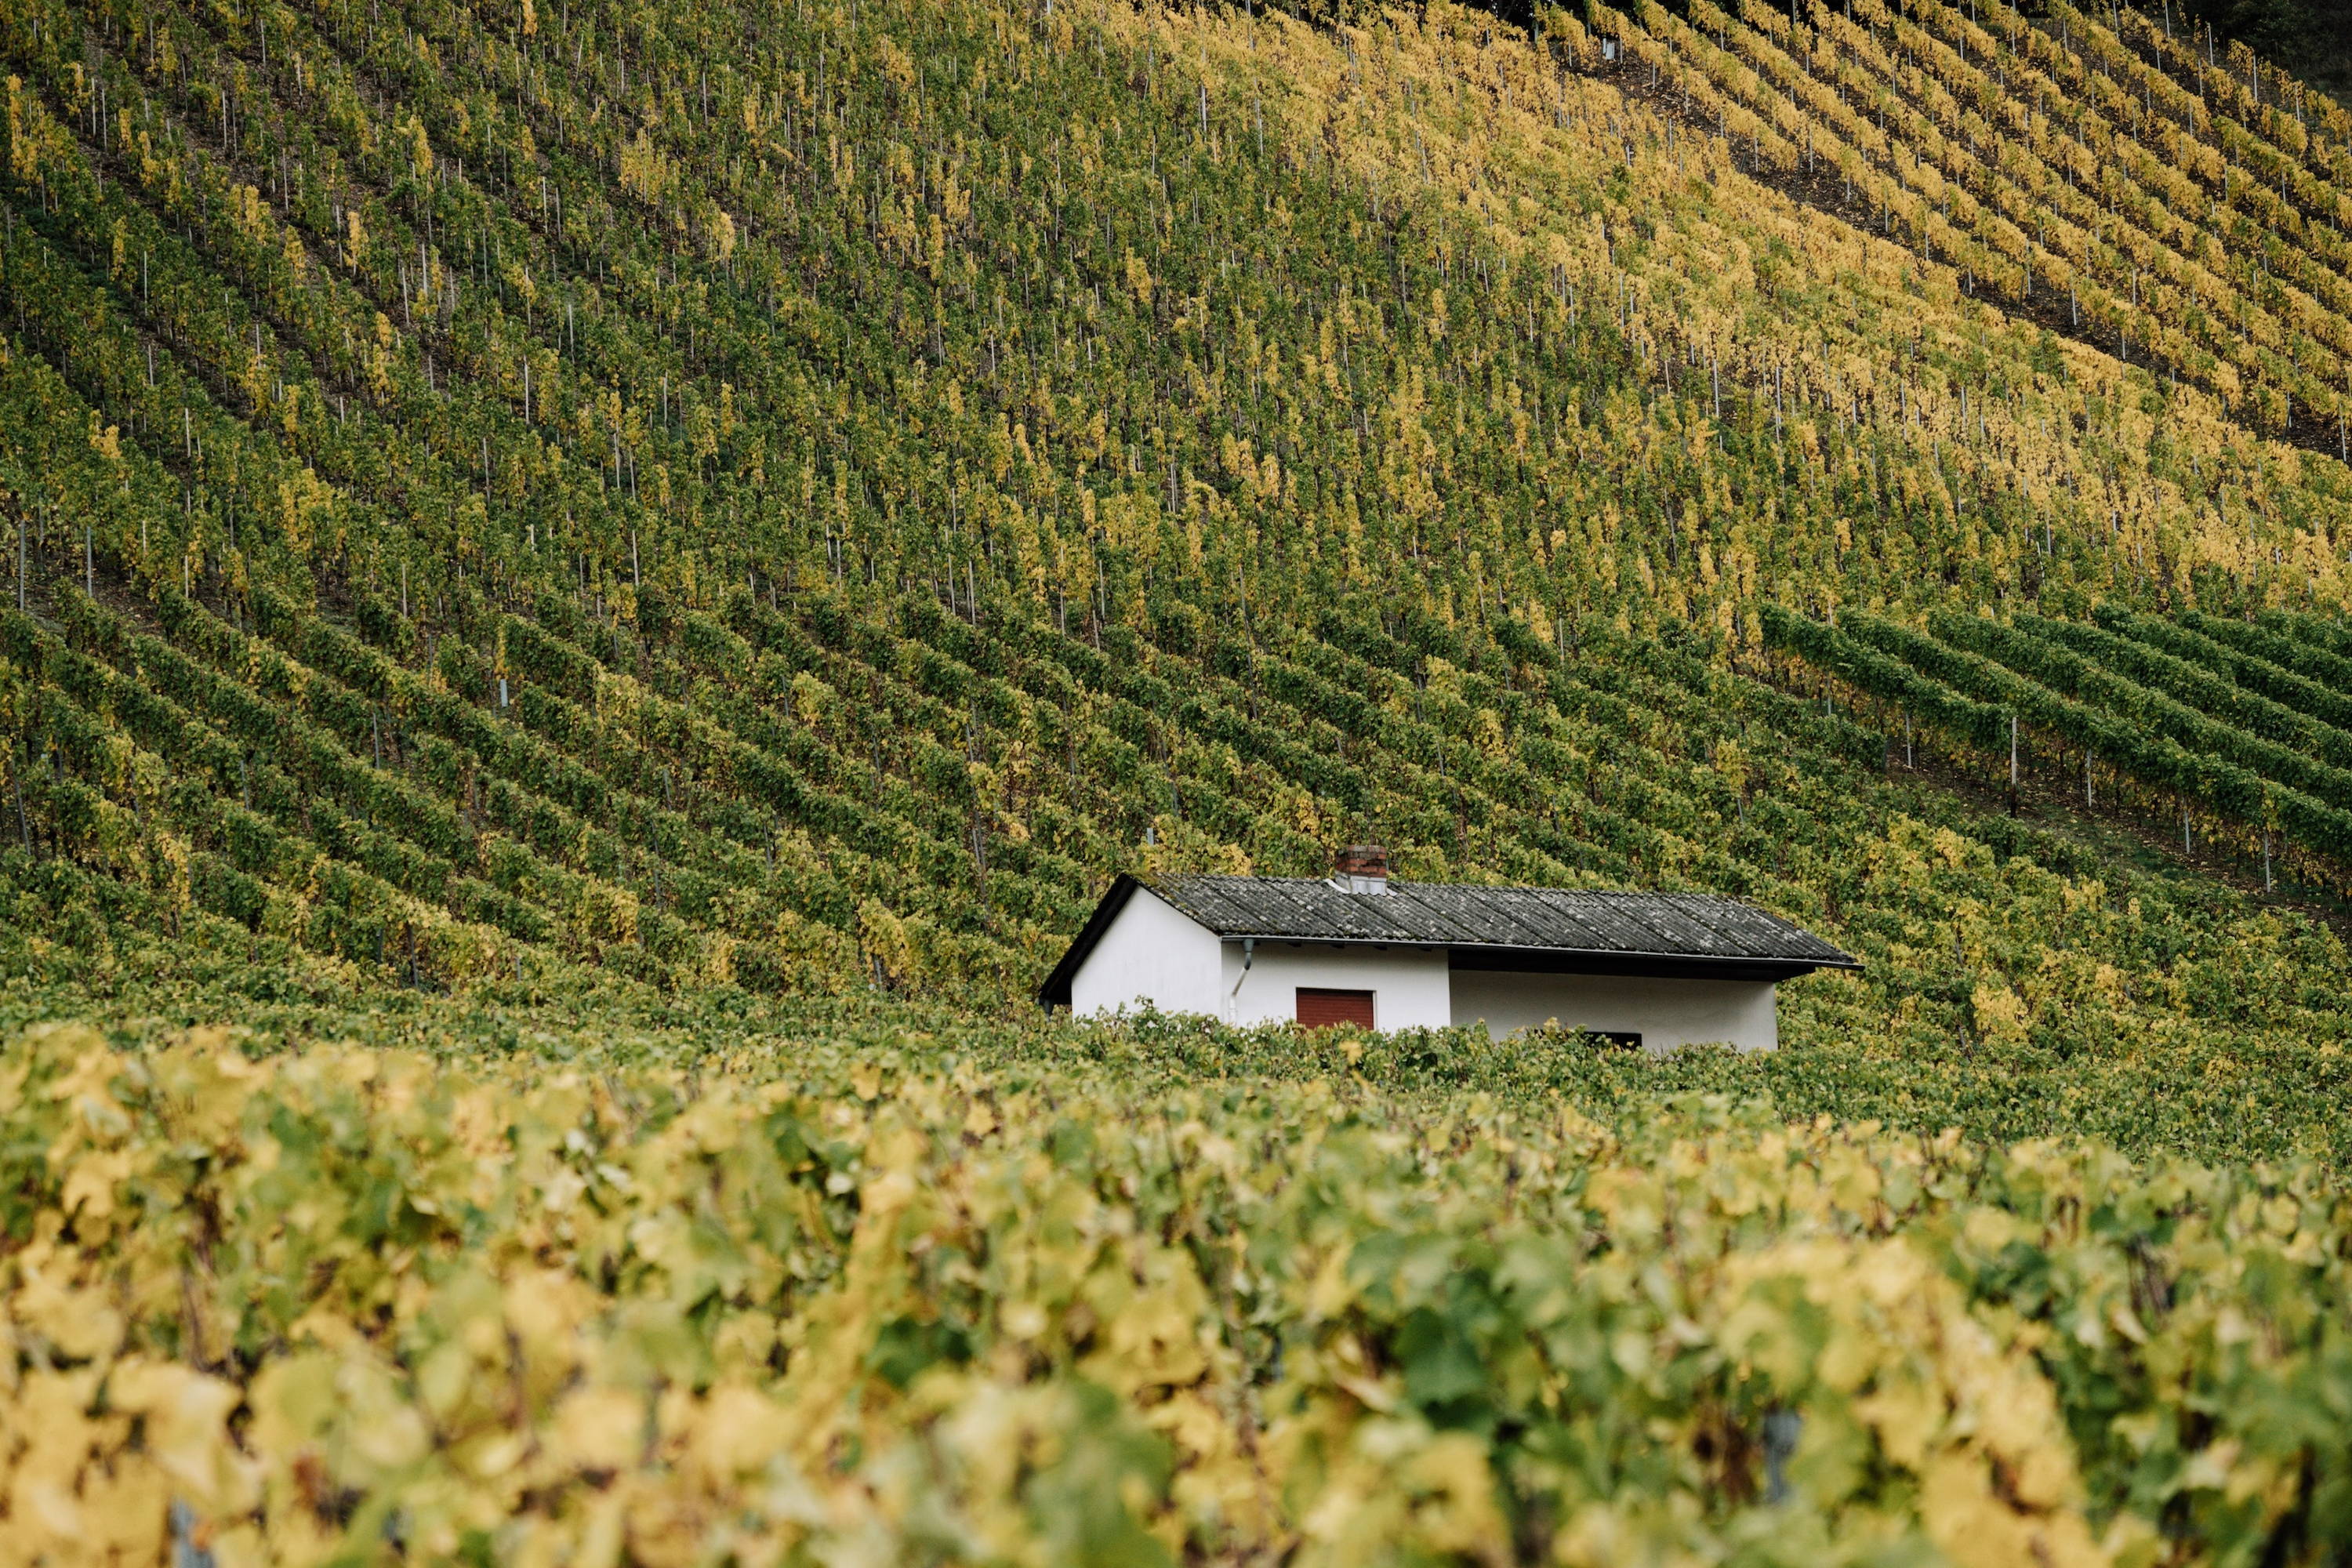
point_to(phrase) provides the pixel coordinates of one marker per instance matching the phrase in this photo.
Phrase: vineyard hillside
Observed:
(561, 502)
(595, 592)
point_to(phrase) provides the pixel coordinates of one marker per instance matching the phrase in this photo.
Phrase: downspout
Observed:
(1249, 950)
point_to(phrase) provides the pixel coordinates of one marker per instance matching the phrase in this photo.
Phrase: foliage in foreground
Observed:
(830, 1298)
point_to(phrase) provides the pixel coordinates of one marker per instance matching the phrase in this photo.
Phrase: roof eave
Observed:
(1678, 965)
(1643, 965)
(1578, 961)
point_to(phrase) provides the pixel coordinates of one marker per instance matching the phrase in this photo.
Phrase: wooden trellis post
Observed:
(2012, 764)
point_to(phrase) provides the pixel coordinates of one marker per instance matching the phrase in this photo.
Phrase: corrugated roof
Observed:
(1553, 919)
(1575, 929)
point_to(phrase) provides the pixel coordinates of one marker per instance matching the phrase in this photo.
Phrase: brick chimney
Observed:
(1361, 869)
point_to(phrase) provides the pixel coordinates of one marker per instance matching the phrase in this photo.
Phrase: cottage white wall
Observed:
(1152, 955)
(1667, 1014)
(1409, 984)
(1149, 954)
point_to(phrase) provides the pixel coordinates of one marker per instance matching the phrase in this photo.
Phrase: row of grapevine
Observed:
(2092, 169)
(2124, 697)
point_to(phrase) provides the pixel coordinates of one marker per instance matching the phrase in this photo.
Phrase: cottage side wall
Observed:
(1666, 1013)
(1409, 984)
(1151, 954)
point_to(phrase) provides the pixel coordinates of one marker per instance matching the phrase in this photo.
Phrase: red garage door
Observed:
(1319, 1009)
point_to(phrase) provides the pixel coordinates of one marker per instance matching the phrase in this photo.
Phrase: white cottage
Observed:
(1654, 971)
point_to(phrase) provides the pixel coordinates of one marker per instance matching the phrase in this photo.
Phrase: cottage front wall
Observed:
(1409, 984)
(1666, 1013)
(1151, 954)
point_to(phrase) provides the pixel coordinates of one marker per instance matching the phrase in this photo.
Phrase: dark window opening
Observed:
(1630, 1039)
(1321, 1009)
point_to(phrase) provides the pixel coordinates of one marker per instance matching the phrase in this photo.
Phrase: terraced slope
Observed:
(570, 500)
